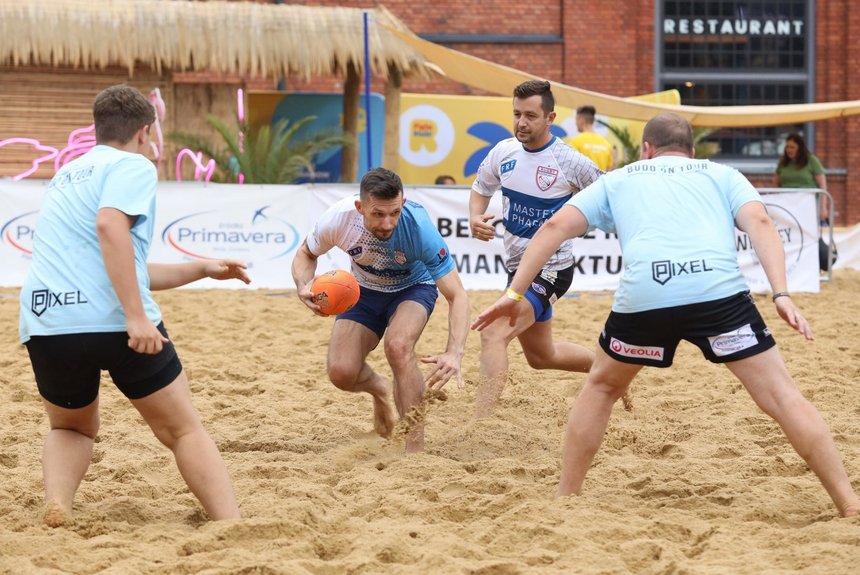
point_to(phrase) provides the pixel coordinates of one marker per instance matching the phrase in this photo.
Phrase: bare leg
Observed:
(175, 422)
(774, 391)
(402, 335)
(494, 358)
(607, 381)
(66, 456)
(543, 353)
(350, 344)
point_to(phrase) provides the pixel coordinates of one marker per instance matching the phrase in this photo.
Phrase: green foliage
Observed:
(265, 154)
(630, 147)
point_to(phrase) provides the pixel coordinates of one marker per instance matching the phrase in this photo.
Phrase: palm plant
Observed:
(630, 147)
(264, 154)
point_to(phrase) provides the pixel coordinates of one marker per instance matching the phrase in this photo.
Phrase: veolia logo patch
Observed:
(18, 232)
(251, 235)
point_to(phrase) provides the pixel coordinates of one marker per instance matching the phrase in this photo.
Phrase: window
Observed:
(738, 52)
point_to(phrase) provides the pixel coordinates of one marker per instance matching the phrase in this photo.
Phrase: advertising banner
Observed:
(264, 226)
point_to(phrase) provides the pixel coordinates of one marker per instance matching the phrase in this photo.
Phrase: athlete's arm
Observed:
(568, 222)
(448, 364)
(113, 230)
(168, 276)
(478, 217)
(304, 269)
(752, 218)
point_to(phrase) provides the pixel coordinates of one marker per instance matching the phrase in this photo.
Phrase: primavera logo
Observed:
(18, 232)
(250, 235)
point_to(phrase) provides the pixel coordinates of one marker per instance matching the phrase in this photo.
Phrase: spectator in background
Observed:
(799, 168)
(588, 142)
(445, 180)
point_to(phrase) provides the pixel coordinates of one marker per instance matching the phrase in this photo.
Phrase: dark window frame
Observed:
(706, 79)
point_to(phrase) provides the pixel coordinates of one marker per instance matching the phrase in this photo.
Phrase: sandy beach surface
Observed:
(695, 480)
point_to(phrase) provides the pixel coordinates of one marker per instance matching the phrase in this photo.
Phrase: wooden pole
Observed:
(391, 143)
(349, 165)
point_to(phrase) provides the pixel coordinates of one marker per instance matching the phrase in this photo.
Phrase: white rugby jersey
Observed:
(534, 184)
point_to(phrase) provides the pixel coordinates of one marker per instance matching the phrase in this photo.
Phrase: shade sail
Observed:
(499, 79)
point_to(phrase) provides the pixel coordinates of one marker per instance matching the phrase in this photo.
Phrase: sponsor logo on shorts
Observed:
(640, 351)
(41, 300)
(538, 288)
(545, 177)
(664, 270)
(733, 341)
(549, 275)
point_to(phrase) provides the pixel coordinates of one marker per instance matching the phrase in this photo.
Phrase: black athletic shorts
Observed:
(68, 367)
(545, 290)
(725, 330)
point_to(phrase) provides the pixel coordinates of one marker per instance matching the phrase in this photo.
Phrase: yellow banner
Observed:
(451, 135)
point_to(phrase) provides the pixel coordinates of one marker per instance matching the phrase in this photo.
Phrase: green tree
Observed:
(265, 154)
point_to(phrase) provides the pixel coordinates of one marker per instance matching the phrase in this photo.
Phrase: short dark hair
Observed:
(445, 180)
(669, 131)
(380, 183)
(119, 112)
(587, 112)
(540, 88)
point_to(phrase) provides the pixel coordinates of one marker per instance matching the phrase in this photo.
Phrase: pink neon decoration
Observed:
(160, 114)
(80, 141)
(51, 154)
(240, 97)
(199, 167)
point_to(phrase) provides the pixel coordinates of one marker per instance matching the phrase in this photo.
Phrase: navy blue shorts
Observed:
(545, 290)
(68, 367)
(727, 329)
(375, 308)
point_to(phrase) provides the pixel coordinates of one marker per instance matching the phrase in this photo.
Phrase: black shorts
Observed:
(726, 329)
(68, 367)
(545, 290)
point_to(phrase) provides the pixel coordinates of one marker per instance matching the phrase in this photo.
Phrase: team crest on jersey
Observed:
(399, 257)
(356, 251)
(545, 177)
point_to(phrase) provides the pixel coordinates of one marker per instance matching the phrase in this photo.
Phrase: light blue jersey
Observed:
(671, 256)
(534, 184)
(67, 289)
(414, 254)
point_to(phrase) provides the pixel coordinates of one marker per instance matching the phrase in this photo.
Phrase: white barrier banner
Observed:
(264, 225)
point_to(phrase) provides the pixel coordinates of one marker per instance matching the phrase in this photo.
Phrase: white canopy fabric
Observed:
(499, 79)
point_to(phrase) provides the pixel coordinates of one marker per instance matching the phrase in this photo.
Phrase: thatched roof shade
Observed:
(230, 37)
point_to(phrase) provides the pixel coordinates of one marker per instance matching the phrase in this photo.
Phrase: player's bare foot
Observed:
(56, 515)
(383, 417)
(627, 401)
(850, 509)
(383, 412)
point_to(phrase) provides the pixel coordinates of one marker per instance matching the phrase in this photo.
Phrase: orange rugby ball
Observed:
(335, 292)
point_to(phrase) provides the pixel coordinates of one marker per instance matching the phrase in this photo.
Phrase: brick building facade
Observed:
(612, 46)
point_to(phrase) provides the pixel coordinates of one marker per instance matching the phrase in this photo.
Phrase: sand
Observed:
(695, 480)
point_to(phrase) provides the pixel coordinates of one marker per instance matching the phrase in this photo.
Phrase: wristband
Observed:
(513, 295)
(780, 294)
